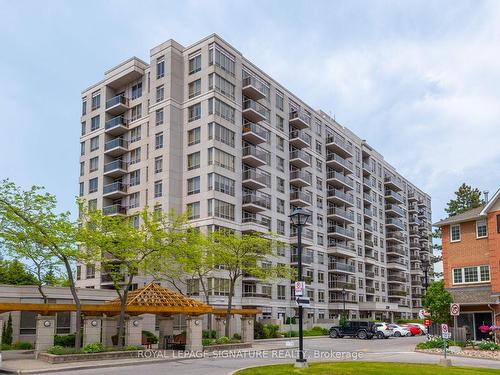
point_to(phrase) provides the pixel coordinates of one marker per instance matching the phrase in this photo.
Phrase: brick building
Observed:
(471, 264)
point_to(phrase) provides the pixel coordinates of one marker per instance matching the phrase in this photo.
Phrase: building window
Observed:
(194, 136)
(82, 189)
(218, 286)
(94, 143)
(134, 200)
(193, 210)
(136, 112)
(136, 91)
(82, 168)
(280, 124)
(160, 93)
(92, 204)
(135, 156)
(93, 184)
(95, 123)
(282, 292)
(90, 272)
(280, 143)
(195, 64)
(194, 160)
(194, 112)
(158, 164)
(498, 223)
(135, 177)
(218, 208)
(280, 164)
(159, 140)
(221, 183)
(84, 106)
(221, 59)
(194, 88)
(481, 229)
(470, 275)
(158, 189)
(220, 158)
(84, 127)
(279, 100)
(160, 68)
(28, 323)
(63, 319)
(221, 109)
(280, 228)
(135, 134)
(280, 205)
(221, 85)
(96, 100)
(455, 233)
(94, 164)
(221, 134)
(159, 117)
(193, 185)
(280, 182)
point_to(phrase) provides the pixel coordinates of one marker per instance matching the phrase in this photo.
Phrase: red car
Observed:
(414, 330)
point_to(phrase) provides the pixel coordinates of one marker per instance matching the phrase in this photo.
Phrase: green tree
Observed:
(13, 272)
(243, 254)
(437, 301)
(7, 332)
(28, 220)
(465, 198)
(123, 250)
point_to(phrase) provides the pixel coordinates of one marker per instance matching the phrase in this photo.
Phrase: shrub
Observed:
(5, 346)
(60, 350)
(290, 334)
(237, 336)
(134, 347)
(488, 345)
(437, 343)
(223, 340)
(403, 321)
(209, 334)
(316, 331)
(271, 331)
(150, 337)
(22, 345)
(95, 347)
(207, 342)
(66, 341)
(258, 331)
(290, 320)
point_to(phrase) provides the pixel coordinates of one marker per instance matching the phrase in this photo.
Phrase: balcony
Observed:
(117, 105)
(394, 223)
(255, 179)
(367, 198)
(421, 203)
(396, 279)
(300, 178)
(370, 274)
(368, 212)
(339, 249)
(336, 231)
(393, 197)
(392, 183)
(300, 159)
(339, 180)
(115, 168)
(114, 210)
(299, 120)
(338, 145)
(300, 199)
(369, 243)
(255, 156)
(412, 197)
(368, 227)
(395, 249)
(393, 210)
(116, 126)
(339, 285)
(415, 245)
(370, 257)
(256, 202)
(114, 190)
(367, 170)
(339, 163)
(299, 139)
(116, 147)
(253, 111)
(340, 214)
(254, 133)
(412, 208)
(395, 236)
(339, 197)
(253, 88)
(369, 290)
(307, 237)
(414, 233)
(341, 267)
(396, 263)
(252, 223)
(397, 292)
(306, 259)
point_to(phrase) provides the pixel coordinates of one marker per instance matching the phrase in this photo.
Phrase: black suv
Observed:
(360, 329)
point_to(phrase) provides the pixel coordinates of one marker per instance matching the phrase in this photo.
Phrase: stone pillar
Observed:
(194, 328)
(247, 329)
(45, 331)
(220, 326)
(133, 330)
(166, 329)
(91, 329)
(109, 329)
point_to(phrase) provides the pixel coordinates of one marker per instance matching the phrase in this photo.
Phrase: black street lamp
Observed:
(343, 299)
(425, 265)
(299, 218)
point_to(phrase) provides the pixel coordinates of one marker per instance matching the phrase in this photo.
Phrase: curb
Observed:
(456, 355)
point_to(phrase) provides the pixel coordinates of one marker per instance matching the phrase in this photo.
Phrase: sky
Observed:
(420, 81)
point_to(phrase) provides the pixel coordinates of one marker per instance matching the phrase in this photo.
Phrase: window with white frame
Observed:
(455, 233)
(470, 275)
(481, 229)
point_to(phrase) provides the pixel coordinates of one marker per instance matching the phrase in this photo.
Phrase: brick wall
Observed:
(494, 250)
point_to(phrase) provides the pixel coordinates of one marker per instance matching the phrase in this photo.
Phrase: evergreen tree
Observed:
(7, 332)
(466, 198)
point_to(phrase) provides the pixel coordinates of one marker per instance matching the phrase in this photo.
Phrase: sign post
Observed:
(300, 287)
(455, 311)
(445, 336)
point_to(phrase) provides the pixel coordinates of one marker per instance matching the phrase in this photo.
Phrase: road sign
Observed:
(300, 288)
(422, 314)
(427, 322)
(455, 309)
(303, 301)
(446, 335)
(444, 328)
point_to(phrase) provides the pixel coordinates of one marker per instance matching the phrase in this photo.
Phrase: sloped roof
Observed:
(473, 296)
(472, 214)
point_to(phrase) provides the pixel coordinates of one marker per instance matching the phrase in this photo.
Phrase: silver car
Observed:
(383, 331)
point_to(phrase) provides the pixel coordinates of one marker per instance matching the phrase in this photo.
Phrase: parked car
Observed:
(399, 330)
(422, 328)
(414, 330)
(384, 330)
(360, 329)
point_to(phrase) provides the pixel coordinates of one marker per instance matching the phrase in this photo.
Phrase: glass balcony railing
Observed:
(341, 212)
(116, 121)
(340, 177)
(114, 188)
(114, 143)
(118, 99)
(307, 177)
(297, 134)
(115, 164)
(253, 174)
(344, 162)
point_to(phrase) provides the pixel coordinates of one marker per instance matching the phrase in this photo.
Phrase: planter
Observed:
(83, 357)
(235, 346)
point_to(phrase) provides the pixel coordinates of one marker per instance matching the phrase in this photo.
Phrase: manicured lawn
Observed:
(365, 368)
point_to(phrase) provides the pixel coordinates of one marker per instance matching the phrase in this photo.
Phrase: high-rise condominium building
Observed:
(202, 129)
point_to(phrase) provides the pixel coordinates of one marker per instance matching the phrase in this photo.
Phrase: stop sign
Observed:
(427, 322)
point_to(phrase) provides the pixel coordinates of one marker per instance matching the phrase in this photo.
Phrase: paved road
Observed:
(390, 350)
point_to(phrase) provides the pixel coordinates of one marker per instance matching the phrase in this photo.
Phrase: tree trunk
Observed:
(44, 296)
(72, 288)
(121, 320)
(207, 301)
(229, 307)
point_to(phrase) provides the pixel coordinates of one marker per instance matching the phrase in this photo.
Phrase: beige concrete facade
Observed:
(217, 135)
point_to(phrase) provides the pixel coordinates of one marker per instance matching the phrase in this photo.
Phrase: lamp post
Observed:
(425, 265)
(299, 218)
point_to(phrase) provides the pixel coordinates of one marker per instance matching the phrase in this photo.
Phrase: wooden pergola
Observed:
(151, 299)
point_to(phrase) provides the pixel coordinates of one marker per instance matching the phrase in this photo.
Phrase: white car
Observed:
(399, 331)
(383, 331)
